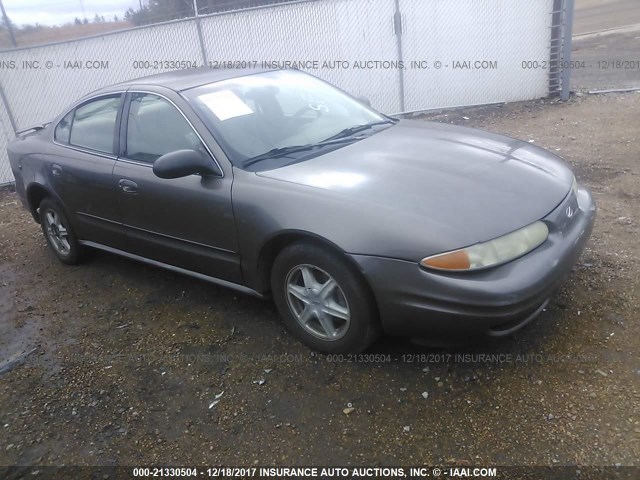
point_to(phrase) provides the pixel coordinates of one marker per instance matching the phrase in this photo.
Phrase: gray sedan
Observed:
(278, 184)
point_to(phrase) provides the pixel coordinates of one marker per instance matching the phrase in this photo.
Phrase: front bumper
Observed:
(494, 302)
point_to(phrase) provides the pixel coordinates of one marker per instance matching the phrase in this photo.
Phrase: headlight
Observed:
(493, 252)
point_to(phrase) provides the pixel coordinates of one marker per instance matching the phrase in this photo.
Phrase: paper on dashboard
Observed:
(225, 104)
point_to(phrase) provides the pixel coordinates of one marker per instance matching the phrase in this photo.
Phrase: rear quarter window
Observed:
(63, 129)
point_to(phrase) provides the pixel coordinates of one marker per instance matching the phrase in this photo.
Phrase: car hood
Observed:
(466, 184)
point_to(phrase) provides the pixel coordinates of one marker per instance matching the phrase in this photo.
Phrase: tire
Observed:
(58, 232)
(322, 300)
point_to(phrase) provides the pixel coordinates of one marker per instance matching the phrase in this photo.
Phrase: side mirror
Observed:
(183, 163)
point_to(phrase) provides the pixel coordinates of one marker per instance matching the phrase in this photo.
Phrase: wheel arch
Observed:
(36, 192)
(272, 247)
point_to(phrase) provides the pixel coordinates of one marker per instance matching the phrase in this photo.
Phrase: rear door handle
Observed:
(56, 170)
(127, 186)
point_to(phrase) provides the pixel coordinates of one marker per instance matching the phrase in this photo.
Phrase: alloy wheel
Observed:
(317, 302)
(57, 232)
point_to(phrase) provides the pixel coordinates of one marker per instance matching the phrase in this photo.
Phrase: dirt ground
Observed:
(132, 359)
(606, 45)
(610, 60)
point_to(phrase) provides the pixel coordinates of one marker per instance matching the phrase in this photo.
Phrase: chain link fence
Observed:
(403, 55)
(88, 23)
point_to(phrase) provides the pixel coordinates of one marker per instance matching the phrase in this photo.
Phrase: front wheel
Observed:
(322, 300)
(58, 232)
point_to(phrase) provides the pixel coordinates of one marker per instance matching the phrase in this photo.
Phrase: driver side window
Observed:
(156, 127)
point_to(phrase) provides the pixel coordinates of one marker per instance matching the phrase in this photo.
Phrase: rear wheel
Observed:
(58, 232)
(322, 300)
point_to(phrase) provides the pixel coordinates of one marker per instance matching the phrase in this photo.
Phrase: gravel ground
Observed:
(131, 360)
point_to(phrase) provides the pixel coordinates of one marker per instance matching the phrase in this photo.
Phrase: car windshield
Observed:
(270, 119)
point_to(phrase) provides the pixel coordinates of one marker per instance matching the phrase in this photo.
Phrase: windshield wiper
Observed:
(284, 151)
(347, 132)
(343, 136)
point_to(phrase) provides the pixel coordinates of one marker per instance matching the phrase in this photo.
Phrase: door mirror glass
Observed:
(183, 163)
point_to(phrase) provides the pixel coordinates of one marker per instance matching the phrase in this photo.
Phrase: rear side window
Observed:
(156, 127)
(63, 130)
(94, 124)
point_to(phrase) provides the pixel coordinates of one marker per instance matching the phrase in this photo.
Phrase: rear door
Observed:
(80, 167)
(186, 222)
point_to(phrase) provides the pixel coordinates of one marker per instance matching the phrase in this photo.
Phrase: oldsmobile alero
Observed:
(278, 184)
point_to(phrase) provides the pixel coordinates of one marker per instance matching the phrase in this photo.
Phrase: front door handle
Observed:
(56, 170)
(127, 186)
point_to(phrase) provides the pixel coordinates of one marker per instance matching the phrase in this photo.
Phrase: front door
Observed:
(186, 222)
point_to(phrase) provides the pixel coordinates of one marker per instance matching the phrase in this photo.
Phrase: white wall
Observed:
(505, 31)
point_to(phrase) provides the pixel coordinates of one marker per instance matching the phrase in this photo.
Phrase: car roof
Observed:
(180, 80)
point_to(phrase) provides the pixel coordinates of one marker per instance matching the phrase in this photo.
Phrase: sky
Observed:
(58, 12)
